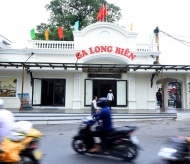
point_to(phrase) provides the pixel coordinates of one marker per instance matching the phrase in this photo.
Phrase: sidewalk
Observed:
(183, 116)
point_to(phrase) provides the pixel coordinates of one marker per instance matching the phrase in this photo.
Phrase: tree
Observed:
(66, 12)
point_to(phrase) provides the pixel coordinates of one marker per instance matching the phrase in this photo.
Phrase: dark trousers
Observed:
(175, 103)
(160, 103)
(102, 134)
(110, 103)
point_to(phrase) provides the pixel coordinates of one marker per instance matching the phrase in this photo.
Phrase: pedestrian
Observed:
(94, 108)
(175, 100)
(110, 98)
(6, 121)
(159, 98)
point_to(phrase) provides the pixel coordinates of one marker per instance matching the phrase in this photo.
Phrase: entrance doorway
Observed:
(174, 94)
(102, 87)
(172, 97)
(49, 92)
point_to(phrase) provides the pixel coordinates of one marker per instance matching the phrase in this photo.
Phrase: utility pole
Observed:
(156, 32)
(163, 104)
(21, 99)
(22, 89)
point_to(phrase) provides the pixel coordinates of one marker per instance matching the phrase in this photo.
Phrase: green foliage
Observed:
(66, 12)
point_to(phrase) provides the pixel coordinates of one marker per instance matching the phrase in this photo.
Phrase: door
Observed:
(48, 92)
(101, 89)
(36, 90)
(88, 92)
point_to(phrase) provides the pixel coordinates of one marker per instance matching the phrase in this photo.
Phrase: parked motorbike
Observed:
(178, 152)
(122, 141)
(21, 147)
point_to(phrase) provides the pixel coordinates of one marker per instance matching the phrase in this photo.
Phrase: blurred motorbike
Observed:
(122, 141)
(22, 146)
(177, 152)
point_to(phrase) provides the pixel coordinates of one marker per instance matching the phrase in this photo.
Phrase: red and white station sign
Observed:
(106, 49)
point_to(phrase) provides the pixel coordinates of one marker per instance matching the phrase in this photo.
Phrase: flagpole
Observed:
(103, 12)
(106, 12)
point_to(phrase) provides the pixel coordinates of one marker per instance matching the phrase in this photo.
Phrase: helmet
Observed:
(1, 103)
(102, 102)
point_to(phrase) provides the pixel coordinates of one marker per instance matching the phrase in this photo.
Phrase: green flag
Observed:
(32, 33)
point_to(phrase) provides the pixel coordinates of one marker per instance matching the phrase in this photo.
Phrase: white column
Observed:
(76, 104)
(166, 95)
(151, 95)
(131, 93)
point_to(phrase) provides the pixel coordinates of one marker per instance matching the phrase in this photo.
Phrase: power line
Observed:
(186, 43)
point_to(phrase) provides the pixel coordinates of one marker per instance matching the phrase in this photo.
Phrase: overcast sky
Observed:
(18, 17)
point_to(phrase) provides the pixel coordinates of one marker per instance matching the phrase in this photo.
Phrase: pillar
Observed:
(76, 104)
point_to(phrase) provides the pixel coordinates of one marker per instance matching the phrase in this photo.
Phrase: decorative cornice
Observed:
(103, 25)
(36, 51)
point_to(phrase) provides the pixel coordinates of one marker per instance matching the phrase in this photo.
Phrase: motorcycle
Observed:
(21, 147)
(122, 141)
(178, 152)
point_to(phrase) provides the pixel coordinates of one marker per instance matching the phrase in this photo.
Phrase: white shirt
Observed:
(6, 123)
(110, 96)
(95, 104)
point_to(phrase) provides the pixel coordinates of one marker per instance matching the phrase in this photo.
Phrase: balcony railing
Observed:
(147, 47)
(38, 44)
(69, 45)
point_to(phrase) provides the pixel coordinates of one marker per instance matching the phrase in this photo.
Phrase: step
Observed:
(41, 117)
(83, 115)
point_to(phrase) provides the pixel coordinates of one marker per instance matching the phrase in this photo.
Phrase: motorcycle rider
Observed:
(6, 121)
(106, 127)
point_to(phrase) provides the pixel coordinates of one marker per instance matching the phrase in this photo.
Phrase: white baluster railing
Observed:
(69, 45)
(39, 44)
(147, 47)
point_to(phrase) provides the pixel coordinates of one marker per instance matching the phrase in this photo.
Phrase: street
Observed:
(56, 144)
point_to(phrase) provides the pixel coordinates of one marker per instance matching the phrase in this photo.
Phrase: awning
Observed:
(111, 68)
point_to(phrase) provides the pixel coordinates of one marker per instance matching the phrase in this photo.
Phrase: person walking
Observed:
(110, 98)
(159, 98)
(94, 108)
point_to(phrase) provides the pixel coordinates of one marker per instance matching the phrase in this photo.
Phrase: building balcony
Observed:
(41, 44)
(69, 45)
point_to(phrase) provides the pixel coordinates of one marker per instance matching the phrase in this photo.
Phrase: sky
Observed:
(18, 17)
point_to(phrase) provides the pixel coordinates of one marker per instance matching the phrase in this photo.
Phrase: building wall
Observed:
(140, 93)
(13, 102)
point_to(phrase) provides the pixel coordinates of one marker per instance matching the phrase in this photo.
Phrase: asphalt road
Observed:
(56, 144)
